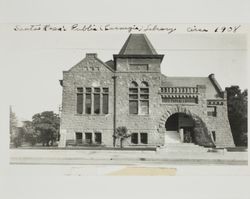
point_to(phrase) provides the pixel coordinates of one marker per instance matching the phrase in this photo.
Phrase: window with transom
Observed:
(139, 98)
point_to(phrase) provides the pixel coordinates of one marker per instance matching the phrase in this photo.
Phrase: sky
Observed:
(33, 61)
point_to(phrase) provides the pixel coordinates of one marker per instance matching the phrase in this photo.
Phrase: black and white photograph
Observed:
(132, 94)
(103, 100)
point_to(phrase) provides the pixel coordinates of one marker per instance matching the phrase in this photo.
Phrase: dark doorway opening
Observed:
(183, 124)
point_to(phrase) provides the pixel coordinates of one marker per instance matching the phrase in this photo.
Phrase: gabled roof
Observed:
(92, 56)
(111, 64)
(137, 44)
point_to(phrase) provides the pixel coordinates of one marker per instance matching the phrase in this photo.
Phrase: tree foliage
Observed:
(46, 124)
(13, 125)
(30, 136)
(17, 136)
(237, 114)
(121, 133)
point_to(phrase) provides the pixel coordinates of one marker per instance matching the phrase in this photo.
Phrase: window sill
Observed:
(77, 114)
(138, 115)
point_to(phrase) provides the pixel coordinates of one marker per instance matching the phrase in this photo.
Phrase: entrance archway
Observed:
(180, 129)
(200, 132)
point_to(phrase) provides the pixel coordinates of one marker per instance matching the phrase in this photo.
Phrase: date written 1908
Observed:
(219, 29)
(228, 29)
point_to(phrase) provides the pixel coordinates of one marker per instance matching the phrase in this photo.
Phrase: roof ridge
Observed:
(125, 45)
(149, 43)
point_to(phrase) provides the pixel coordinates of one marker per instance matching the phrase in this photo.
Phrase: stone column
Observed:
(181, 131)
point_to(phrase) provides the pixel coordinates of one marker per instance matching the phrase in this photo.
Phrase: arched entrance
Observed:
(180, 129)
(200, 133)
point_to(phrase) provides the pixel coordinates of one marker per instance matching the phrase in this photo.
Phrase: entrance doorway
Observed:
(179, 129)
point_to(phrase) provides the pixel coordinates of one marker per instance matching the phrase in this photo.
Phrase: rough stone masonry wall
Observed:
(139, 123)
(88, 73)
(219, 124)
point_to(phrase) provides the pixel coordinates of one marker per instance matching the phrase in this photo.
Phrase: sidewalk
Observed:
(97, 157)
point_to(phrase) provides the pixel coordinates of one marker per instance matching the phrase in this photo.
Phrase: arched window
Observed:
(144, 84)
(139, 98)
(133, 84)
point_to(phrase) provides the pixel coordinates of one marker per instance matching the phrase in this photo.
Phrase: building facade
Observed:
(130, 91)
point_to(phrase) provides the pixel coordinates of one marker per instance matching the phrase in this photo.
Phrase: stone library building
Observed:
(130, 91)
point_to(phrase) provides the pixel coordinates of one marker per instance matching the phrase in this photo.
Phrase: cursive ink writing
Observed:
(222, 29)
(169, 29)
(151, 27)
(195, 29)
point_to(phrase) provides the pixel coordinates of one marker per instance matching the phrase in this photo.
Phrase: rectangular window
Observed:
(78, 137)
(97, 99)
(211, 111)
(79, 102)
(214, 135)
(133, 107)
(88, 138)
(133, 96)
(88, 104)
(97, 103)
(133, 90)
(144, 138)
(97, 90)
(144, 96)
(144, 90)
(105, 103)
(80, 89)
(88, 90)
(144, 107)
(98, 138)
(105, 90)
(134, 138)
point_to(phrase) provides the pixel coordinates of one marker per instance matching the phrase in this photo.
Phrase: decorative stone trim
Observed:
(173, 110)
(215, 102)
(179, 90)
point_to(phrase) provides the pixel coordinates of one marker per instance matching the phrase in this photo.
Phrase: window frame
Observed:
(132, 137)
(92, 98)
(212, 113)
(79, 100)
(141, 137)
(78, 141)
(95, 137)
(139, 94)
(91, 138)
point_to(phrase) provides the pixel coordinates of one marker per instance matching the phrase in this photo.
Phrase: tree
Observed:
(17, 136)
(237, 114)
(46, 124)
(121, 133)
(30, 134)
(13, 125)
